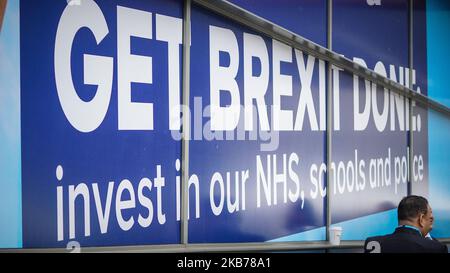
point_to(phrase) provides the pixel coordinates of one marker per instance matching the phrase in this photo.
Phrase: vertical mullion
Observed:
(186, 126)
(329, 117)
(410, 135)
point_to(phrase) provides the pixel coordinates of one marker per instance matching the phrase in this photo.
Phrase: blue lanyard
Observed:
(412, 227)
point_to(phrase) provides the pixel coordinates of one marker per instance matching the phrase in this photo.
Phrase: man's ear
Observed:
(422, 220)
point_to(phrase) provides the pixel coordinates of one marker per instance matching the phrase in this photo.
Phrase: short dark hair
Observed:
(411, 206)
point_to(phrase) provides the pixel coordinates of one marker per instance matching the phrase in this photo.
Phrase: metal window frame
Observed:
(263, 26)
(186, 128)
(222, 247)
(410, 112)
(329, 118)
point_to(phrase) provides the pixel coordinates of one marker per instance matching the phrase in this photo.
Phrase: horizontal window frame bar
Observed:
(213, 247)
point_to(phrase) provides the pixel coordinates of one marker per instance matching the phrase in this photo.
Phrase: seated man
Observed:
(415, 219)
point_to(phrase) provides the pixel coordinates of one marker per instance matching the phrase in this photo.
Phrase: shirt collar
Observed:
(411, 227)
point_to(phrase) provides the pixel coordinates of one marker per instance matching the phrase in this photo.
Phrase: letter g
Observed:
(98, 70)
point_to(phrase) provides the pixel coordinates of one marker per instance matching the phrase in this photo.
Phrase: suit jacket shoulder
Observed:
(403, 240)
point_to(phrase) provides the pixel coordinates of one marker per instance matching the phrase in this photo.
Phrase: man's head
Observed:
(415, 211)
(2, 11)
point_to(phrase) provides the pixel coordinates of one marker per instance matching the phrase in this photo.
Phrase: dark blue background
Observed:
(48, 140)
(104, 155)
(206, 157)
(374, 33)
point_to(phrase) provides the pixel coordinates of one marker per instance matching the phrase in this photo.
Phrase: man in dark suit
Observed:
(415, 218)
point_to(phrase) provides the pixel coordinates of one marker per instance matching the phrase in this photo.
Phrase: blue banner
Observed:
(377, 139)
(258, 115)
(99, 163)
(100, 123)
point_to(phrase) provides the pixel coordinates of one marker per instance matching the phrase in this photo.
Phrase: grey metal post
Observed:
(186, 128)
(329, 116)
(410, 135)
